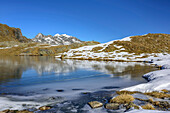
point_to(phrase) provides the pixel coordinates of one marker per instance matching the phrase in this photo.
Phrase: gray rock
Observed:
(141, 96)
(113, 106)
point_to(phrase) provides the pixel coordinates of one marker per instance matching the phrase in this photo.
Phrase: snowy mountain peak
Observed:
(39, 35)
(57, 39)
(56, 35)
(65, 35)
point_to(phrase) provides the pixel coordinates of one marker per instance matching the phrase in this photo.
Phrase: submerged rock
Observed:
(77, 89)
(113, 106)
(60, 90)
(110, 87)
(95, 104)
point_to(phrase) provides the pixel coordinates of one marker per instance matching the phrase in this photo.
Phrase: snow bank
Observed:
(126, 39)
(158, 80)
(156, 74)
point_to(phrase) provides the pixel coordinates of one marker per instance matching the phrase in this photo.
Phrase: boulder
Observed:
(95, 104)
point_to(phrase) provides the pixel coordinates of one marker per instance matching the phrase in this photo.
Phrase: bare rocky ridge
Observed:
(11, 34)
(57, 39)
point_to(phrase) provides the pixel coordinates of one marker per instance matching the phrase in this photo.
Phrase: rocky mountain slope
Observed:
(11, 34)
(57, 39)
(129, 48)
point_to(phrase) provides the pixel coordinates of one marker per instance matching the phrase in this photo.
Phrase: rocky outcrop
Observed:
(57, 39)
(11, 34)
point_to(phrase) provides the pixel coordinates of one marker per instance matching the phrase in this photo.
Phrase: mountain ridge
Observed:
(57, 39)
(8, 33)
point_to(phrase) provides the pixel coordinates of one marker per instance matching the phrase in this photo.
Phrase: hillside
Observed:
(129, 48)
(57, 39)
(11, 34)
(37, 49)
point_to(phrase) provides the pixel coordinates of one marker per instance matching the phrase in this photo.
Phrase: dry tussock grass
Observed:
(148, 106)
(122, 99)
(158, 94)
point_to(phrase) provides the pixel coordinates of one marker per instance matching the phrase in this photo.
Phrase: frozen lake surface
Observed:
(31, 82)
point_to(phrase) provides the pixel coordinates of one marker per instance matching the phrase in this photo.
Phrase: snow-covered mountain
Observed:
(57, 39)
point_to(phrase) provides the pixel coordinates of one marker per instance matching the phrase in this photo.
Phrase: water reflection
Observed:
(13, 67)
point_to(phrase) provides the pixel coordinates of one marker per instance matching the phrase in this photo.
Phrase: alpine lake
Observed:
(29, 82)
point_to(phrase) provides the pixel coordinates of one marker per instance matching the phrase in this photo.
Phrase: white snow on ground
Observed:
(5, 47)
(147, 111)
(6, 103)
(86, 52)
(157, 74)
(158, 80)
(126, 39)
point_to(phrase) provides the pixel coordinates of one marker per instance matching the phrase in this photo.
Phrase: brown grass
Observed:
(148, 106)
(126, 92)
(158, 94)
(164, 90)
(96, 49)
(150, 43)
(122, 99)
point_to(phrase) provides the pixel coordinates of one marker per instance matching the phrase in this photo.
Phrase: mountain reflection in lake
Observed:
(44, 77)
(20, 67)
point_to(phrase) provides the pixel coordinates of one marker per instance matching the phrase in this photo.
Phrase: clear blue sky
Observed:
(99, 20)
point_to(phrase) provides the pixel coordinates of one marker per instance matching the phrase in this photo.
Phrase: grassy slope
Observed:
(41, 49)
(150, 43)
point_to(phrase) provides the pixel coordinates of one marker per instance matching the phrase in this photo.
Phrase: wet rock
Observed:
(113, 106)
(60, 90)
(95, 104)
(44, 108)
(86, 93)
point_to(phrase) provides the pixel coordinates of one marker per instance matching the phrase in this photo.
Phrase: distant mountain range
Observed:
(14, 34)
(57, 39)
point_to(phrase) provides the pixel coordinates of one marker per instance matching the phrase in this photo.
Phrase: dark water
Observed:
(38, 81)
